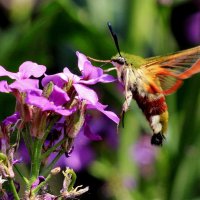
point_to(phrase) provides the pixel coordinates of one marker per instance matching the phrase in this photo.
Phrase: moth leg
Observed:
(110, 69)
(127, 93)
(126, 104)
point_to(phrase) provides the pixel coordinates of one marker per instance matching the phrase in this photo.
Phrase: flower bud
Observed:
(75, 122)
(55, 170)
(48, 89)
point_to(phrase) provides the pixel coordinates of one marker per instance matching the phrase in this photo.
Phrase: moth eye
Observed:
(120, 61)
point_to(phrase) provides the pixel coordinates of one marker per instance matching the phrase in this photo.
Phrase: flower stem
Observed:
(73, 178)
(48, 168)
(35, 160)
(49, 151)
(13, 189)
(23, 177)
(27, 140)
(42, 184)
(49, 127)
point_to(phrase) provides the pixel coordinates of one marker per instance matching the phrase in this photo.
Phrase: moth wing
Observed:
(171, 70)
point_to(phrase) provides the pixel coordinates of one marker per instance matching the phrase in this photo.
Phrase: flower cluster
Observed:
(50, 112)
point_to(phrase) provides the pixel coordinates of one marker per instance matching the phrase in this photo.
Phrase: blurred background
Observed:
(124, 165)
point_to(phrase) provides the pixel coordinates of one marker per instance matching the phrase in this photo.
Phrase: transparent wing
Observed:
(171, 70)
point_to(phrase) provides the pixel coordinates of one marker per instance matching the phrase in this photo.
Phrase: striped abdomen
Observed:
(154, 108)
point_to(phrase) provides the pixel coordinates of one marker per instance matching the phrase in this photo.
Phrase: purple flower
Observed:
(37, 182)
(26, 85)
(90, 75)
(85, 98)
(67, 77)
(6, 128)
(26, 70)
(22, 78)
(85, 93)
(100, 107)
(58, 96)
(4, 87)
(11, 120)
(42, 108)
(45, 105)
(54, 103)
(61, 105)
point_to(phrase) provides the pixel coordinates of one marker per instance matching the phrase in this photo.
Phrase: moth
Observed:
(149, 80)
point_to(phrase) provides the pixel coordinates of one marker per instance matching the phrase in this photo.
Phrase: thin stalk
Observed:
(49, 151)
(27, 140)
(48, 129)
(35, 160)
(36, 155)
(35, 191)
(23, 177)
(48, 168)
(73, 178)
(13, 189)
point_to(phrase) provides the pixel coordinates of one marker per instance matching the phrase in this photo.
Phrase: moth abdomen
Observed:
(157, 139)
(154, 108)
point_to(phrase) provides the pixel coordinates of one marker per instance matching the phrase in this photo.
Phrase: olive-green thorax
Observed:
(133, 60)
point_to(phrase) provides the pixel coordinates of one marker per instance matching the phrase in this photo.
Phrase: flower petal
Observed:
(86, 93)
(37, 182)
(58, 96)
(46, 105)
(91, 72)
(29, 68)
(4, 72)
(100, 107)
(90, 134)
(71, 76)
(58, 79)
(12, 119)
(4, 87)
(26, 85)
(105, 78)
(81, 60)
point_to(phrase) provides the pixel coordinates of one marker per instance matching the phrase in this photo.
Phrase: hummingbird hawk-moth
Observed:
(148, 80)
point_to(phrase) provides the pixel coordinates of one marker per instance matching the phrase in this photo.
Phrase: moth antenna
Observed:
(114, 36)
